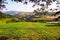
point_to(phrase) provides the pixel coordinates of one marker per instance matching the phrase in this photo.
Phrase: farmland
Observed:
(30, 31)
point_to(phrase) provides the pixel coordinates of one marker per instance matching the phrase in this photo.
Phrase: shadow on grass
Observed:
(53, 25)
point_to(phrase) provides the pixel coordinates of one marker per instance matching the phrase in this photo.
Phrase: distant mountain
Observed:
(22, 14)
(11, 12)
(3, 15)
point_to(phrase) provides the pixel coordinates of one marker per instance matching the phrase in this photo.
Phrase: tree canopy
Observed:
(36, 2)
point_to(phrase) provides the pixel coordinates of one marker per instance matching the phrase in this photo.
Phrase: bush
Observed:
(12, 20)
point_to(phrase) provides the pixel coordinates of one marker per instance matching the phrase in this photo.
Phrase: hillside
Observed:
(11, 12)
(3, 15)
(6, 18)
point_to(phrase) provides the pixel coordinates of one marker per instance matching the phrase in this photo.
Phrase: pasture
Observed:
(29, 31)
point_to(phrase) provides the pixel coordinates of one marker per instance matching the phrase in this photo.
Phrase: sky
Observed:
(13, 6)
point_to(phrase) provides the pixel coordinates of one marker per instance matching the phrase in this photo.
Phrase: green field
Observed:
(30, 31)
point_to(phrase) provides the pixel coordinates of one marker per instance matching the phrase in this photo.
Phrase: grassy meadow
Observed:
(12, 28)
(30, 31)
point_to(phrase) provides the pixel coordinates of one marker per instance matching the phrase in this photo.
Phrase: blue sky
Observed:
(13, 6)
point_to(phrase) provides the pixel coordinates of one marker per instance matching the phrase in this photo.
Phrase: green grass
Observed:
(30, 30)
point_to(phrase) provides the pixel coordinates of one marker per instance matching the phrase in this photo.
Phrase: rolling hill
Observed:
(11, 12)
(3, 15)
(6, 18)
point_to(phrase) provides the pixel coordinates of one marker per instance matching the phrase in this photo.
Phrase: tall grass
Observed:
(29, 30)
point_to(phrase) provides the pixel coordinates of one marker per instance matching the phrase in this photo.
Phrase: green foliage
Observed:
(13, 20)
(6, 18)
(43, 16)
(2, 15)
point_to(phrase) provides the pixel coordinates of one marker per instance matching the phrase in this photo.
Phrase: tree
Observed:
(56, 10)
(36, 2)
(2, 4)
(51, 9)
